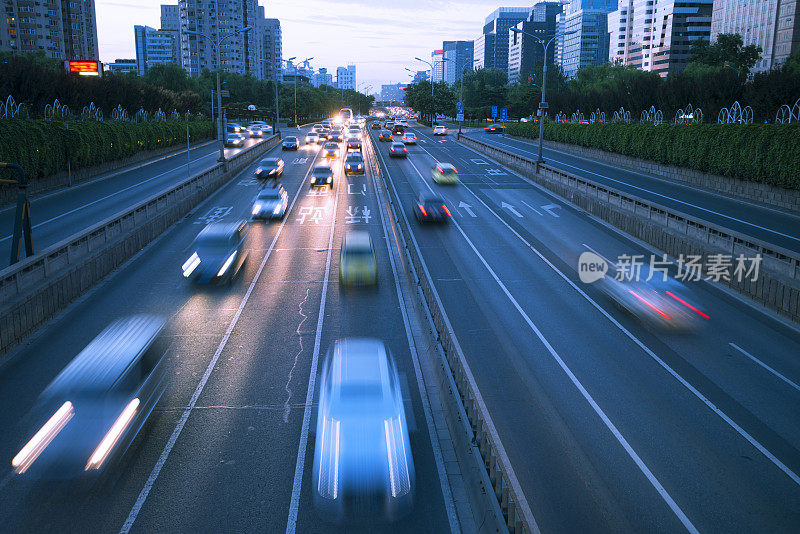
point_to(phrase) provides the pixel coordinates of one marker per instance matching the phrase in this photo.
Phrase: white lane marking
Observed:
(673, 199)
(531, 207)
(604, 258)
(148, 486)
(79, 208)
(765, 366)
(426, 408)
(294, 504)
(586, 395)
(506, 206)
(702, 398)
(550, 209)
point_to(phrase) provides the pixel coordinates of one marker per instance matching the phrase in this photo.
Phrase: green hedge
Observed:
(43, 148)
(765, 153)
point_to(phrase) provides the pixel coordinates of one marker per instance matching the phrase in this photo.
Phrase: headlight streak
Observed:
(256, 208)
(102, 451)
(23, 460)
(226, 264)
(190, 265)
(277, 209)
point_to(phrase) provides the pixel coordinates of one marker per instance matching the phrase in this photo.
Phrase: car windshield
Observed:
(354, 158)
(269, 162)
(448, 170)
(269, 194)
(322, 171)
(360, 391)
(290, 139)
(331, 145)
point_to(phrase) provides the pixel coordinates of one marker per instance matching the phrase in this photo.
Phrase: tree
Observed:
(484, 88)
(728, 50)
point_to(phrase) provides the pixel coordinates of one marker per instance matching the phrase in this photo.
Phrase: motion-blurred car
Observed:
(440, 130)
(385, 135)
(234, 140)
(376, 125)
(91, 412)
(357, 264)
(290, 143)
(354, 144)
(330, 150)
(363, 464)
(661, 304)
(219, 253)
(398, 150)
(322, 176)
(354, 163)
(271, 203)
(270, 169)
(336, 136)
(398, 129)
(234, 127)
(312, 138)
(430, 208)
(409, 139)
(493, 128)
(325, 134)
(444, 173)
(354, 131)
(317, 128)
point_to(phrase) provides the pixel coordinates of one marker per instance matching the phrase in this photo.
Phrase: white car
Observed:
(312, 138)
(439, 130)
(409, 139)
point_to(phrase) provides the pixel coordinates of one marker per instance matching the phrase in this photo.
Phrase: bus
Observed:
(346, 114)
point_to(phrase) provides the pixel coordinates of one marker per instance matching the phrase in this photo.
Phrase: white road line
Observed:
(294, 504)
(705, 400)
(531, 207)
(673, 199)
(447, 495)
(765, 366)
(604, 258)
(79, 208)
(148, 486)
(596, 407)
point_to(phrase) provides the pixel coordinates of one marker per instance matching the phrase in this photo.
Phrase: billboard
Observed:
(84, 68)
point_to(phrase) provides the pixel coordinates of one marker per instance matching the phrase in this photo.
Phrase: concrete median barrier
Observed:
(35, 289)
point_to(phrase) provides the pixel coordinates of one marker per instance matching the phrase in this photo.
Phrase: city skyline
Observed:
(334, 40)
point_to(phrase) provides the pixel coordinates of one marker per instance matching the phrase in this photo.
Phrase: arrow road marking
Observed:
(509, 207)
(531, 207)
(463, 205)
(549, 209)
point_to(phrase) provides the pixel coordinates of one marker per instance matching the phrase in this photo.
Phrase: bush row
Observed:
(765, 153)
(43, 148)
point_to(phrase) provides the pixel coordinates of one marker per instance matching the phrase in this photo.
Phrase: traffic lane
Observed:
(764, 223)
(233, 465)
(552, 226)
(374, 312)
(544, 428)
(198, 320)
(55, 217)
(601, 372)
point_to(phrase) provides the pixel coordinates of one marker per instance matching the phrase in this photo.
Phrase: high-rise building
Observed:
(153, 47)
(238, 54)
(122, 66)
(170, 17)
(494, 51)
(394, 92)
(526, 52)
(584, 40)
(272, 49)
(437, 72)
(458, 57)
(484, 51)
(346, 77)
(64, 29)
(322, 77)
(657, 35)
(774, 25)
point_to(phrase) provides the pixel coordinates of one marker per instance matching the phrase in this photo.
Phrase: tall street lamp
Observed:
(304, 62)
(543, 104)
(217, 44)
(277, 108)
(431, 80)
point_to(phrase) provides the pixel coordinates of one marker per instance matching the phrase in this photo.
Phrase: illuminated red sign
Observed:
(438, 52)
(84, 68)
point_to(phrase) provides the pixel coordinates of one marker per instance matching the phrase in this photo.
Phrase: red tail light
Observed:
(662, 314)
(688, 305)
(422, 210)
(447, 211)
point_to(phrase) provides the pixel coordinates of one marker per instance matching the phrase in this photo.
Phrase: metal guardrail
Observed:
(87, 256)
(779, 283)
(507, 489)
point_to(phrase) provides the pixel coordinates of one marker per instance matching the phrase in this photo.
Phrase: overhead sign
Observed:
(84, 68)
(460, 107)
(459, 116)
(503, 114)
(494, 112)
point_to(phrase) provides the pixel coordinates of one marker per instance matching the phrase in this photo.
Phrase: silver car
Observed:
(219, 252)
(363, 464)
(271, 203)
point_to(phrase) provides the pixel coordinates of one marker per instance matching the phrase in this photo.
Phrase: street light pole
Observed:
(543, 104)
(304, 62)
(277, 108)
(216, 45)
(431, 80)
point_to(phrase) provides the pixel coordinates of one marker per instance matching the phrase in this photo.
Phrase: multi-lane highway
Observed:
(757, 220)
(610, 426)
(230, 445)
(59, 214)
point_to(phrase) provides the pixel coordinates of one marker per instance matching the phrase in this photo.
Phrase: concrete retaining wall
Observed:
(37, 288)
(8, 195)
(673, 232)
(788, 199)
